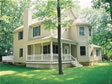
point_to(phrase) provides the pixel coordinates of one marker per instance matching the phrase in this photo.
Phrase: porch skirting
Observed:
(19, 63)
(47, 65)
(90, 63)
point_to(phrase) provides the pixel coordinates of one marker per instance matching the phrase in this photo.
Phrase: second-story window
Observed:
(36, 31)
(20, 35)
(89, 31)
(81, 31)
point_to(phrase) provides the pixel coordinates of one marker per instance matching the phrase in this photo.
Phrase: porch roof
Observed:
(50, 38)
(96, 46)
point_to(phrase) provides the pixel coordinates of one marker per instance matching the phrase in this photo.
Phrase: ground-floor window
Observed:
(30, 48)
(82, 50)
(21, 52)
(97, 52)
(55, 49)
(46, 49)
(91, 53)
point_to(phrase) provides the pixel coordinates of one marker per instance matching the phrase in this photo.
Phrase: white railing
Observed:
(75, 62)
(47, 57)
(7, 58)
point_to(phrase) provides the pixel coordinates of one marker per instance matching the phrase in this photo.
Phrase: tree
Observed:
(12, 17)
(48, 12)
(106, 4)
(102, 30)
(59, 37)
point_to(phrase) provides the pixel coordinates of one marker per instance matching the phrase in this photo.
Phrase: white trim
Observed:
(42, 52)
(51, 50)
(70, 51)
(68, 61)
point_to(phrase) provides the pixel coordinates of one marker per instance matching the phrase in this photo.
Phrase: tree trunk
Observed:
(59, 37)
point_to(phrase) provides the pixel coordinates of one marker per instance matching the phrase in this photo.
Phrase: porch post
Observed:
(33, 52)
(26, 53)
(51, 50)
(70, 52)
(42, 52)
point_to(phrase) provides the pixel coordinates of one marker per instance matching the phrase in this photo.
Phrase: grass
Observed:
(98, 74)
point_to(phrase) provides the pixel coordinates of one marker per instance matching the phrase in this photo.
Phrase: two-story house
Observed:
(37, 47)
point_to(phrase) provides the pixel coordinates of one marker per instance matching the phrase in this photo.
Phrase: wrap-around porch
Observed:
(47, 51)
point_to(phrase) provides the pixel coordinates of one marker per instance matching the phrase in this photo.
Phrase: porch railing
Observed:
(7, 59)
(47, 57)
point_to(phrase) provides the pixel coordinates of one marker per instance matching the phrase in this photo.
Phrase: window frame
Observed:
(82, 31)
(36, 31)
(20, 35)
(21, 52)
(97, 53)
(90, 31)
(55, 49)
(46, 50)
(91, 53)
(83, 52)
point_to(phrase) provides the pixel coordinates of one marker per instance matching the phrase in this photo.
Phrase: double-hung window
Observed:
(55, 49)
(97, 52)
(82, 50)
(21, 52)
(81, 31)
(46, 49)
(89, 31)
(20, 35)
(36, 31)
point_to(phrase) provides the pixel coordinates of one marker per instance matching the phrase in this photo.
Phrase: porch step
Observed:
(76, 64)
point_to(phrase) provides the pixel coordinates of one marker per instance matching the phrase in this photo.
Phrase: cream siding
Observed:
(71, 34)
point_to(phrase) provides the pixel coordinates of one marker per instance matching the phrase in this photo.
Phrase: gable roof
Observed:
(78, 21)
(81, 21)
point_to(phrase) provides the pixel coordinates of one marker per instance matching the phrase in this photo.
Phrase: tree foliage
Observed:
(46, 10)
(102, 30)
(106, 4)
(11, 18)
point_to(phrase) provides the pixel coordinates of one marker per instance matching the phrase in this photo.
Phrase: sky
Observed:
(85, 3)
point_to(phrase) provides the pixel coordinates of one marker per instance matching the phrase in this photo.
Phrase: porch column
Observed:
(26, 53)
(33, 52)
(51, 50)
(70, 52)
(42, 52)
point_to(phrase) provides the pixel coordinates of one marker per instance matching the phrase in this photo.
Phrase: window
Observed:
(20, 35)
(81, 32)
(46, 49)
(30, 48)
(36, 31)
(82, 50)
(21, 52)
(89, 31)
(55, 49)
(66, 30)
(97, 52)
(91, 53)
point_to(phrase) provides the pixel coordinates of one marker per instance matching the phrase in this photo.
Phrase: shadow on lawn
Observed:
(82, 75)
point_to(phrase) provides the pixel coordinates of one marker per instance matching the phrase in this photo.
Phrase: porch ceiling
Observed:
(49, 39)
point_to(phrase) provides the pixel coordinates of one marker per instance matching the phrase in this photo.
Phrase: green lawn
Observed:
(98, 74)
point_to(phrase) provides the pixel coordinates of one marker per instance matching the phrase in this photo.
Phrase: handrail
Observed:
(77, 62)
